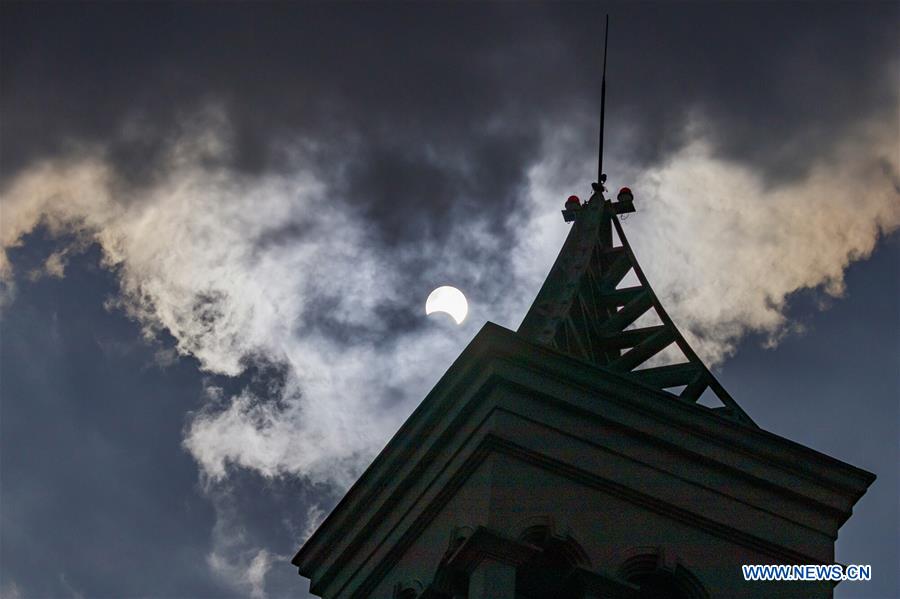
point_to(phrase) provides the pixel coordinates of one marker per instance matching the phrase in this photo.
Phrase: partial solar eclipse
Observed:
(449, 300)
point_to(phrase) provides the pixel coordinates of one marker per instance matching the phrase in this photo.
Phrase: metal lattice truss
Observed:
(584, 311)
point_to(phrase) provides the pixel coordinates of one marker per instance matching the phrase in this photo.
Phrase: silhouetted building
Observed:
(572, 459)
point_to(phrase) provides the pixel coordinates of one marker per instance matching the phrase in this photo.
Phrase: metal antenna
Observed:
(602, 107)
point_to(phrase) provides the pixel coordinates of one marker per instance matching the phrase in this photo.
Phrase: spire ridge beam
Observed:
(644, 351)
(629, 313)
(630, 338)
(616, 272)
(620, 297)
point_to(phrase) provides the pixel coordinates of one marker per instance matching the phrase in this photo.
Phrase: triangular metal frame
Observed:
(581, 312)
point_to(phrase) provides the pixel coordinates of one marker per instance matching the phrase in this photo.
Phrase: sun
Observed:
(449, 300)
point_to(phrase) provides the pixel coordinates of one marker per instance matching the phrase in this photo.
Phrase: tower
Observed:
(571, 459)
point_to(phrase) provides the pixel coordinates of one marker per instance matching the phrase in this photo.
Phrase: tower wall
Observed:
(523, 460)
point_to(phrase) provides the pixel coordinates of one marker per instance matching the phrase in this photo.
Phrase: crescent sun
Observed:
(449, 300)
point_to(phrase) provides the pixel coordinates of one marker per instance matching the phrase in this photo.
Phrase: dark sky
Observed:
(220, 224)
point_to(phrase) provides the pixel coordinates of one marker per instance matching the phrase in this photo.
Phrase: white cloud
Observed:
(237, 266)
(315, 515)
(240, 564)
(11, 590)
(70, 589)
(720, 247)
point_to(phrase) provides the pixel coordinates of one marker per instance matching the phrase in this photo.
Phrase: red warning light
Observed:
(573, 203)
(625, 195)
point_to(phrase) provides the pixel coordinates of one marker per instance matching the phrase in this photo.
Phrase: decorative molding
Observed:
(541, 531)
(661, 559)
(487, 544)
(409, 589)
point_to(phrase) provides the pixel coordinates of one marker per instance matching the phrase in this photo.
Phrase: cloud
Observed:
(722, 248)
(315, 515)
(729, 249)
(70, 589)
(11, 590)
(245, 269)
(245, 572)
(234, 558)
(242, 268)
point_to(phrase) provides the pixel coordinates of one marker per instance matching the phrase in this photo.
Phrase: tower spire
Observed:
(585, 310)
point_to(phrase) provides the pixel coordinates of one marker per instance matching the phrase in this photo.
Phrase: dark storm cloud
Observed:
(364, 77)
(439, 104)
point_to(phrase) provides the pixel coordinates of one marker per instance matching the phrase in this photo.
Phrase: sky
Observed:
(220, 223)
